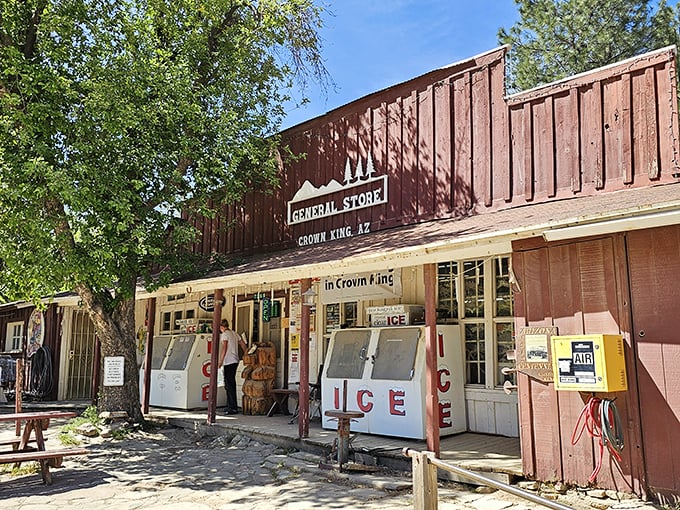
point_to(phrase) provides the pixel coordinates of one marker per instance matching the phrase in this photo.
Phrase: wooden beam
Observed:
(432, 396)
(148, 352)
(214, 355)
(303, 393)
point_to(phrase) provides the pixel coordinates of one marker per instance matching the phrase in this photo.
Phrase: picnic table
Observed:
(35, 423)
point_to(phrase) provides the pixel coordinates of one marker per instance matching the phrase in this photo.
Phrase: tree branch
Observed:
(32, 29)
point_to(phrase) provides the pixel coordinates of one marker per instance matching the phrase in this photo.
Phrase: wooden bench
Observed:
(14, 443)
(47, 459)
(35, 423)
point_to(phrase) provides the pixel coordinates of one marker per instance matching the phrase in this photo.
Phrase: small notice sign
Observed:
(533, 352)
(114, 370)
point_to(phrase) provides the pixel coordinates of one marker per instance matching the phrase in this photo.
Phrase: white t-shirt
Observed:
(232, 340)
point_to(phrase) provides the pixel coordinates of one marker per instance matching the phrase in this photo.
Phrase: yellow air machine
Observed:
(592, 363)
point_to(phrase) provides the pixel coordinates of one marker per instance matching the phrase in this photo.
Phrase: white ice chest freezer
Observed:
(386, 380)
(180, 372)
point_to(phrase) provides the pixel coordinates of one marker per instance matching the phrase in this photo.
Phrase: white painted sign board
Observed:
(114, 370)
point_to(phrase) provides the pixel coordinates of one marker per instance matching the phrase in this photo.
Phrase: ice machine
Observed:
(386, 380)
(180, 372)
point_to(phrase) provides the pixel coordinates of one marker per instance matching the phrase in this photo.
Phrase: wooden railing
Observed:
(424, 466)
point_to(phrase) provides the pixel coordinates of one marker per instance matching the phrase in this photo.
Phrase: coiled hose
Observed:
(41, 381)
(601, 419)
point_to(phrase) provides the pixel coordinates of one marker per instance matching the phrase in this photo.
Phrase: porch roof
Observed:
(448, 239)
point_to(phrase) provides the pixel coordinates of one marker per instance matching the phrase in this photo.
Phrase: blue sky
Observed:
(369, 45)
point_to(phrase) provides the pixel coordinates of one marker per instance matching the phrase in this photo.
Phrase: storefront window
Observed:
(503, 299)
(473, 288)
(503, 320)
(475, 368)
(485, 310)
(505, 343)
(447, 308)
(349, 314)
(340, 315)
(177, 317)
(166, 319)
(15, 334)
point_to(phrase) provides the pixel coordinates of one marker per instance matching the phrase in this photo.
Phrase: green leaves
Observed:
(559, 38)
(115, 116)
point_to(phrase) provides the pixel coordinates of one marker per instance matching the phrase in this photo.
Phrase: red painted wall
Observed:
(629, 284)
(451, 144)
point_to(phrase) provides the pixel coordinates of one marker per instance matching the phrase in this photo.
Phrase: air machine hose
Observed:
(602, 420)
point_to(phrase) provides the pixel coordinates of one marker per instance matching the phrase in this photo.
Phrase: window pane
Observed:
(332, 317)
(473, 288)
(447, 305)
(14, 336)
(175, 323)
(349, 314)
(502, 286)
(165, 323)
(474, 354)
(505, 342)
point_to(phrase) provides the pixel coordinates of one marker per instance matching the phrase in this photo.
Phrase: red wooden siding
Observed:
(52, 339)
(583, 287)
(654, 258)
(451, 144)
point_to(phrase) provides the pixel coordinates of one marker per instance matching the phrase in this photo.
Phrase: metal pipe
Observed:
(492, 483)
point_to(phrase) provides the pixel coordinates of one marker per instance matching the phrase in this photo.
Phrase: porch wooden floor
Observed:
(477, 452)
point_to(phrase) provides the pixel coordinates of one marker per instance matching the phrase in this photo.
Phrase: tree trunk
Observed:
(116, 331)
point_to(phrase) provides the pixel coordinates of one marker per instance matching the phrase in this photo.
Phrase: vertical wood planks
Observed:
(481, 138)
(462, 166)
(617, 139)
(500, 136)
(654, 258)
(451, 144)
(409, 176)
(426, 154)
(669, 131)
(443, 121)
(543, 148)
(394, 168)
(567, 157)
(592, 137)
(645, 137)
(379, 155)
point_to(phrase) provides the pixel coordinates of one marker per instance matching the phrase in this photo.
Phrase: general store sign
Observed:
(361, 286)
(360, 189)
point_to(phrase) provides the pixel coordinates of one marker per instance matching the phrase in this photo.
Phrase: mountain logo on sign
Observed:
(359, 176)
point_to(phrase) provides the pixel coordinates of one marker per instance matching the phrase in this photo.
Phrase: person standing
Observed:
(229, 358)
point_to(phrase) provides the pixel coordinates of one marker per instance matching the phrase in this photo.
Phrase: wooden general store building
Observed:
(554, 208)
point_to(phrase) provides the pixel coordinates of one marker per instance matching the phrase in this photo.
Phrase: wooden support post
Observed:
(148, 352)
(432, 393)
(303, 399)
(424, 481)
(215, 355)
(18, 390)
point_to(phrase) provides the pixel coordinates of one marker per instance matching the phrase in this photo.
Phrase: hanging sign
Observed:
(361, 286)
(207, 303)
(266, 309)
(36, 332)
